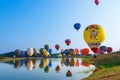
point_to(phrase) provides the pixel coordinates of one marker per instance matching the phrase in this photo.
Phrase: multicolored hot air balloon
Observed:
(57, 46)
(67, 41)
(77, 26)
(97, 2)
(94, 35)
(72, 52)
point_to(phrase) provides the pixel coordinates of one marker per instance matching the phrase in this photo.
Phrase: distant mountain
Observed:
(9, 54)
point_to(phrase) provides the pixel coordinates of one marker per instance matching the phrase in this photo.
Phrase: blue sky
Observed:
(34, 23)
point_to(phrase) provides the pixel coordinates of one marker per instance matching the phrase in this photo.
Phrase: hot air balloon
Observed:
(17, 52)
(22, 54)
(42, 50)
(98, 51)
(97, 2)
(77, 26)
(30, 51)
(66, 52)
(67, 41)
(46, 46)
(46, 54)
(103, 48)
(109, 49)
(50, 51)
(85, 51)
(57, 46)
(94, 35)
(34, 54)
(72, 52)
(77, 51)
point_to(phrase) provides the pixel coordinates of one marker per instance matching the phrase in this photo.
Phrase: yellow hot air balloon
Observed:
(94, 35)
(46, 54)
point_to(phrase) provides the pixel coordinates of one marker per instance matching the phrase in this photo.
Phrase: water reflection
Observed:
(30, 64)
(57, 69)
(73, 68)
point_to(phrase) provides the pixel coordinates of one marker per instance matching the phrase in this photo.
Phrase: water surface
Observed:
(45, 69)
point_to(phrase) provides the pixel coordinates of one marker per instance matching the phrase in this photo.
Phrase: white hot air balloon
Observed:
(30, 51)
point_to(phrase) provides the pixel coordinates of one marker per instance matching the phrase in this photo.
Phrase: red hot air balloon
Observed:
(85, 51)
(57, 46)
(67, 41)
(109, 49)
(97, 2)
(77, 51)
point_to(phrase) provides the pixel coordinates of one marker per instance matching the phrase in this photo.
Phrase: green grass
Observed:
(106, 65)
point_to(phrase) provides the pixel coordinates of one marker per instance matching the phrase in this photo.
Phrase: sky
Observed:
(34, 23)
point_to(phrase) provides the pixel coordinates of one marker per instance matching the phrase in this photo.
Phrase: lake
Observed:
(45, 69)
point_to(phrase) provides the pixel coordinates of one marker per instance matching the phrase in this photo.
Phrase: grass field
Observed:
(108, 67)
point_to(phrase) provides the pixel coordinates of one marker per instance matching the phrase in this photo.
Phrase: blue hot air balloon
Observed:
(50, 51)
(22, 54)
(77, 26)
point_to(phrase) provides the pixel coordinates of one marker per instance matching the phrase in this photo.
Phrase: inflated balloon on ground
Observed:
(30, 51)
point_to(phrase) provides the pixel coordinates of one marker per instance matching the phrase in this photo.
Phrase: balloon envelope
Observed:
(97, 2)
(42, 50)
(57, 46)
(85, 51)
(109, 49)
(22, 53)
(17, 52)
(46, 46)
(77, 51)
(77, 26)
(103, 48)
(67, 41)
(30, 51)
(94, 35)
(66, 51)
(50, 51)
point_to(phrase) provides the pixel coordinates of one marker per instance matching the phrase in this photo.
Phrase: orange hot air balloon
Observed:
(85, 51)
(97, 2)
(57, 46)
(94, 35)
(67, 41)
(77, 51)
